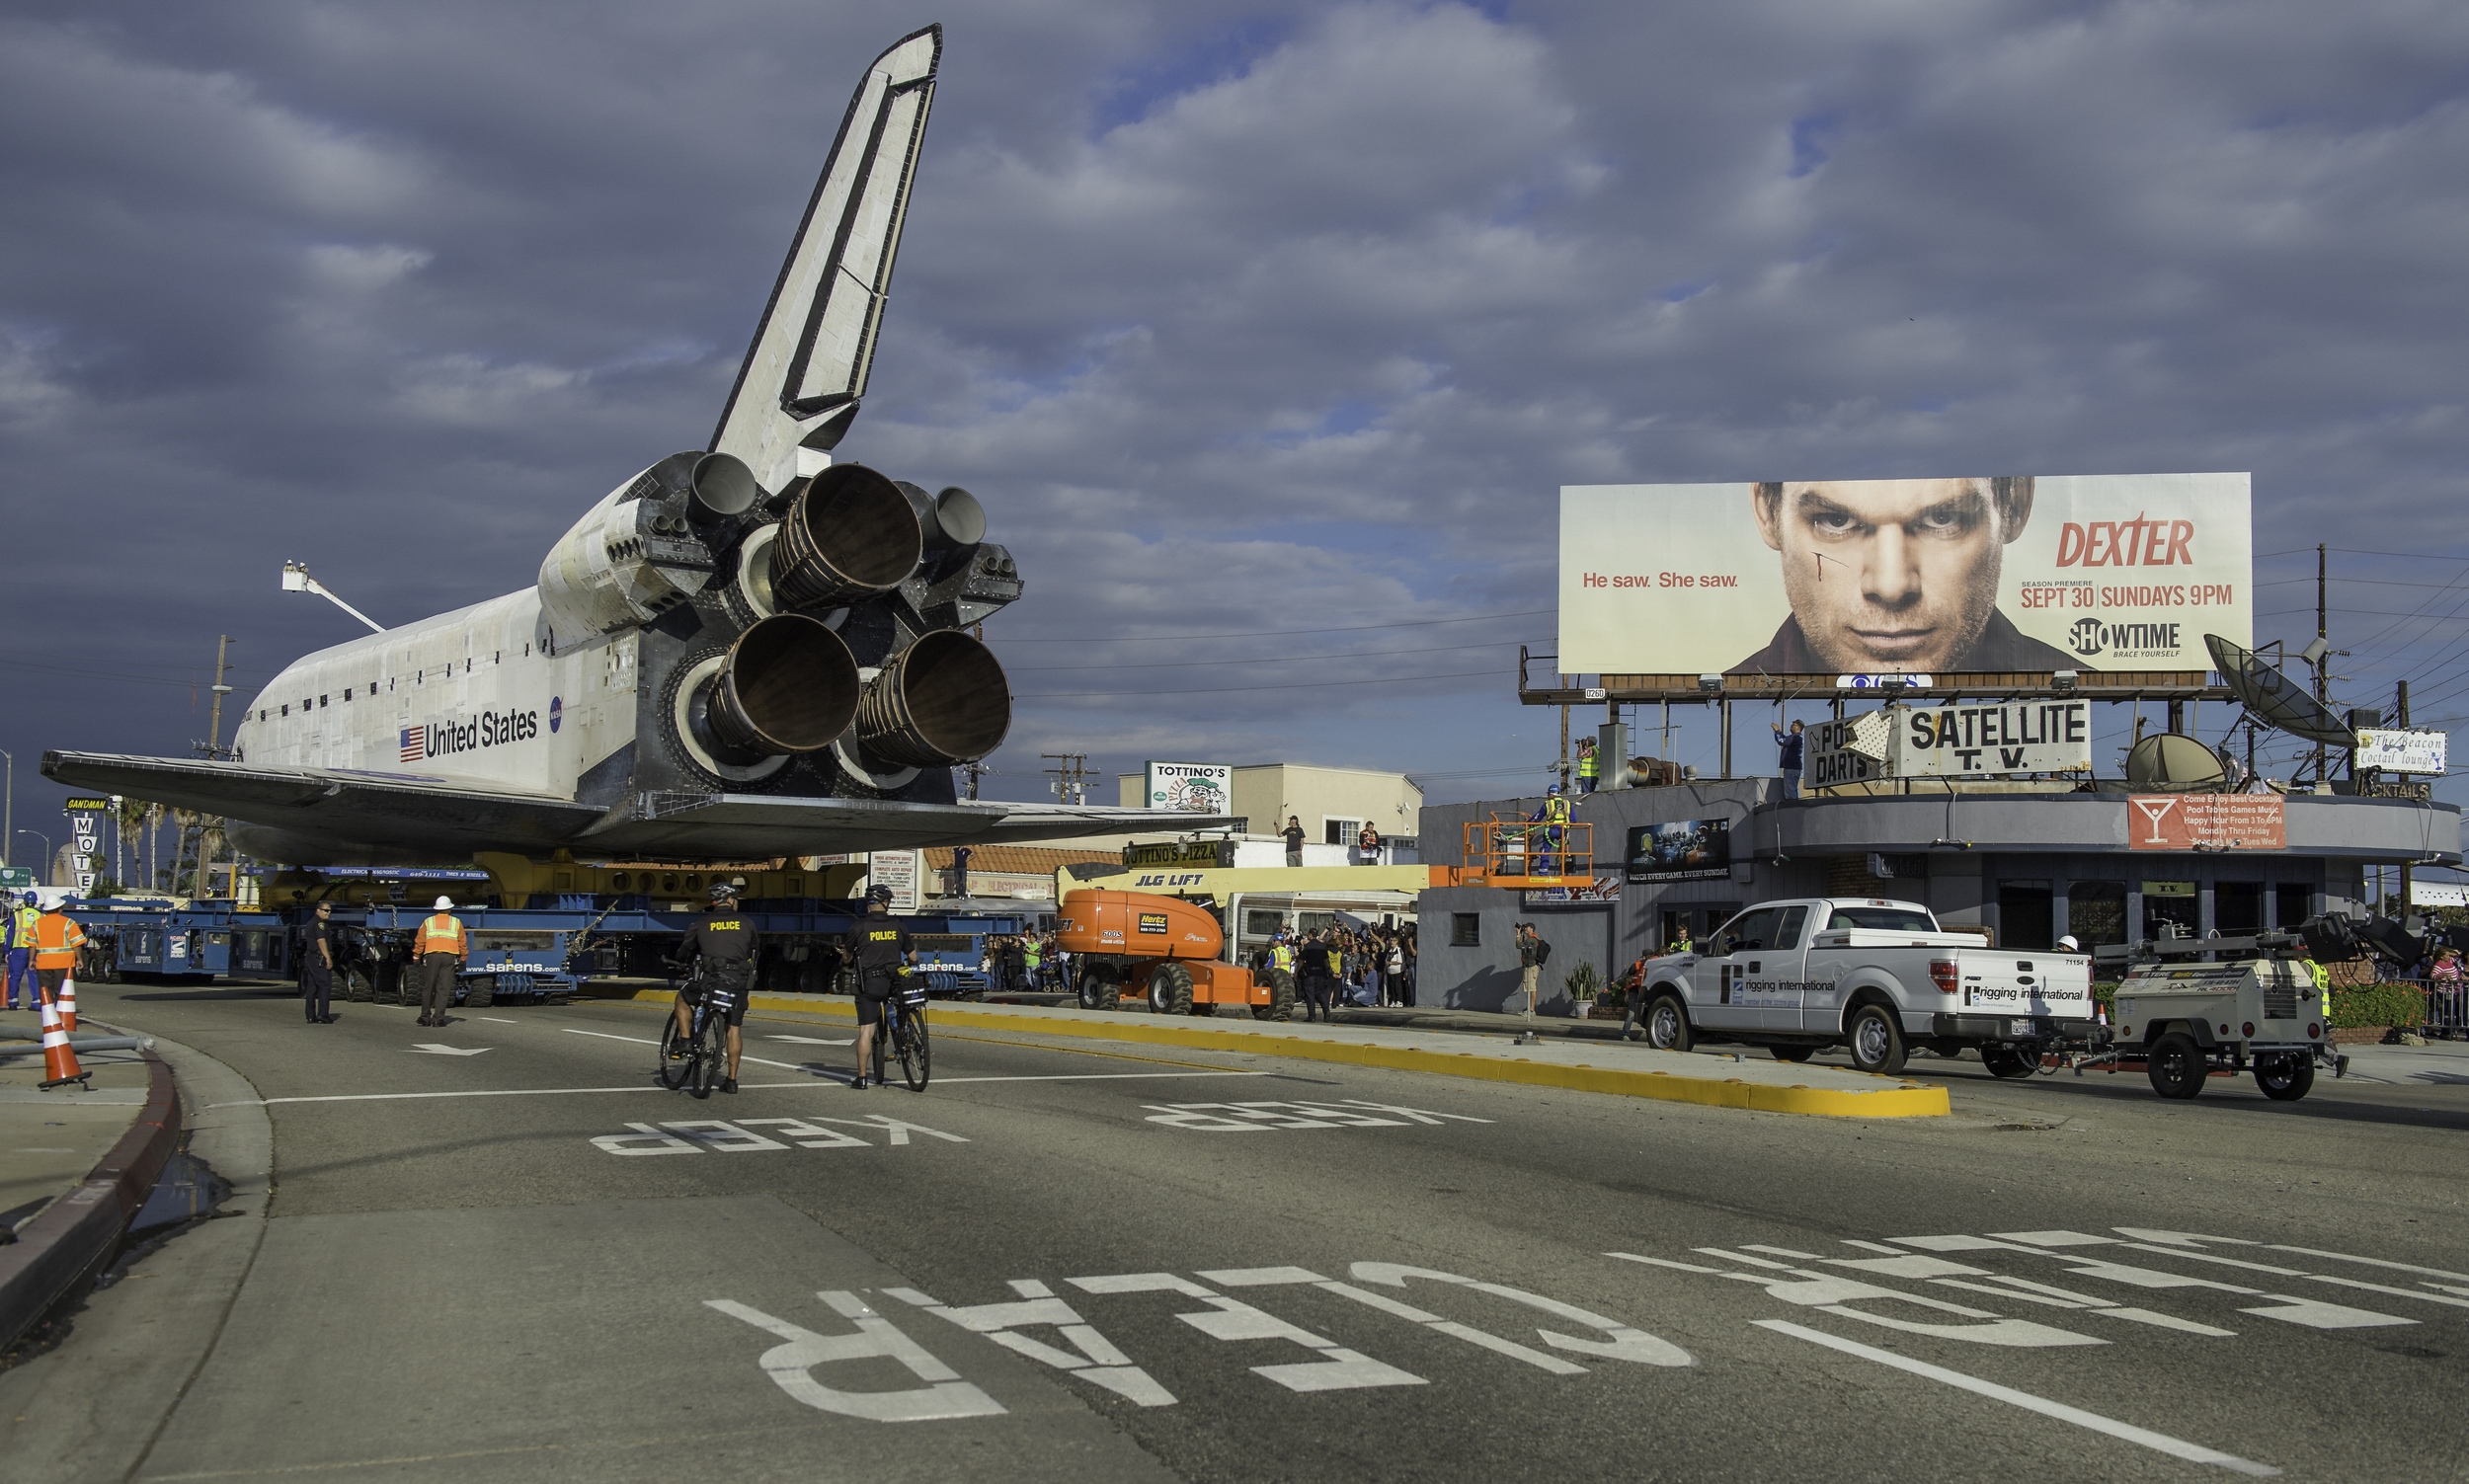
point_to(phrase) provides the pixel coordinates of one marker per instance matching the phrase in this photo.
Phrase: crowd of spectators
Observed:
(1361, 966)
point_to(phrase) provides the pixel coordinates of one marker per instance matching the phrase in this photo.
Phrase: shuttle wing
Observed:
(341, 816)
(429, 817)
(808, 364)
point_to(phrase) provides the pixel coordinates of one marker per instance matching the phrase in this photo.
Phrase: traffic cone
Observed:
(68, 1003)
(59, 1059)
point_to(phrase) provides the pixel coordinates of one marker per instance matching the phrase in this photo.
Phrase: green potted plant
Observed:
(1584, 984)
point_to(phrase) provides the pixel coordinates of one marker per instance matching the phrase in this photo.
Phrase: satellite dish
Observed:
(2170, 762)
(2274, 698)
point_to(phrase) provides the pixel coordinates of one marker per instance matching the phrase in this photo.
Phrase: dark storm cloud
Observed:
(1242, 317)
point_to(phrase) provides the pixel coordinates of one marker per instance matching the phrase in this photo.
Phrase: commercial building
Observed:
(2023, 867)
(1332, 804)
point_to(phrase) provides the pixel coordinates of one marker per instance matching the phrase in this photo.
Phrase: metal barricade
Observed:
(2447, 1009)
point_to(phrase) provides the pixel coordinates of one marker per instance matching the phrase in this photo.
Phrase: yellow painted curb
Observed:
(1900, 1100)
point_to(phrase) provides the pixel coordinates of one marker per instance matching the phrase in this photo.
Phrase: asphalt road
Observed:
(497, 1252)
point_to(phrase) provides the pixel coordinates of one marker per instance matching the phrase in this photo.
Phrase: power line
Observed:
(1440, 649)
(1310, 684)
(1412, 623)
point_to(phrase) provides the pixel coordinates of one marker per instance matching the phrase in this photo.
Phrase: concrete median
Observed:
(1750, 1082)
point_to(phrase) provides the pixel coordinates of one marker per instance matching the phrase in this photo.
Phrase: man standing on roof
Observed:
(1294, 840)
(1788, 747)
(441, 949)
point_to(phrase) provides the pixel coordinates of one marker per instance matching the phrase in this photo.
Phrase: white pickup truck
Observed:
(1876, 975)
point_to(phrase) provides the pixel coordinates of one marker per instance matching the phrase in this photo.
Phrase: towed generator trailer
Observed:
(2258, 1008)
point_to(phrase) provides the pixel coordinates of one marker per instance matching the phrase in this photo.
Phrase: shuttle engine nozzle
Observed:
(851, 533)
(789, 686)
(943, 700)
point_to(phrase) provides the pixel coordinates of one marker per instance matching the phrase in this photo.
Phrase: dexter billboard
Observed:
(1928, 577)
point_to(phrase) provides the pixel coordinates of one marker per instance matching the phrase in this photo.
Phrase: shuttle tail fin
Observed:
(807, 366)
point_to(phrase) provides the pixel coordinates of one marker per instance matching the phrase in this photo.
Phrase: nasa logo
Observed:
(557, 712)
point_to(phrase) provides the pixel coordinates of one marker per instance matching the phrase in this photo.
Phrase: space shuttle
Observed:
(744, 651)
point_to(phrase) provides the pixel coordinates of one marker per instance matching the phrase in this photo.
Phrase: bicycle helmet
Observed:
(879, 894)
(721, 890)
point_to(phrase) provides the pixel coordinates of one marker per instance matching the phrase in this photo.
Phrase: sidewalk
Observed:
(74, 1165)
(1727, 1079)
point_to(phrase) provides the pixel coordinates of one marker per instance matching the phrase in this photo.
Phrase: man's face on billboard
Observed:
(1888, 575)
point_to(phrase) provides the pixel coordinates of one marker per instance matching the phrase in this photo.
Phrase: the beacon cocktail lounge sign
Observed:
(1943, 578)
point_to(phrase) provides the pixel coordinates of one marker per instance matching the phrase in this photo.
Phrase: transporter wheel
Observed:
(1793, 1052)
(2287, 1076)
(1667, 1025)
(1877, 1039)
(481, 993)
(1171, 990)
(1281, 996)
(2009, 1062)
(2177, 1065)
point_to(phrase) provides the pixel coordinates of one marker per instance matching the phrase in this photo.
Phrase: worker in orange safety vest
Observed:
(57, 941)
(441, 950)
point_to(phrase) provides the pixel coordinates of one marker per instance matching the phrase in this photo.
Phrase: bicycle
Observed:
(904, 1029)
(706, 1060)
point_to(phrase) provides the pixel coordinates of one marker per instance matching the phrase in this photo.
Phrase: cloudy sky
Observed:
(1275, 325)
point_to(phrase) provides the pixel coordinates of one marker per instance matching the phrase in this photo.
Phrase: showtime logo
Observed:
(2141, 542)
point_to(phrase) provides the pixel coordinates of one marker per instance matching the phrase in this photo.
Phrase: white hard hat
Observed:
(2069, 944)
(444, 903)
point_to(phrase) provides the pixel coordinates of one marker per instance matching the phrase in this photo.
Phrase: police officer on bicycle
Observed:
(725, 943)
(875, 948)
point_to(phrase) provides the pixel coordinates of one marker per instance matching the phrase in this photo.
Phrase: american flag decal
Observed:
(414, 743)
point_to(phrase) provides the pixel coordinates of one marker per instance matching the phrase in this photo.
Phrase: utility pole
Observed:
(2323, 689)
(214, 723)
(1070, 777)
(2400, 705)
(1565, 747)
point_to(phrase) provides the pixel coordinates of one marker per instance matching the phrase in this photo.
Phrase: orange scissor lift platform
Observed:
(1506, 849)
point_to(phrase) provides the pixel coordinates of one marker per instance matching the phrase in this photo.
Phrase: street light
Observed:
(46, 846)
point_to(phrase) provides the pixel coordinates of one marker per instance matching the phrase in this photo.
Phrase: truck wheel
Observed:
(1281, 996)
(2008, 1062)
(2177, 1065)
(1876, 1041)
(1793, 1052)
(2286, 1077)
(1171, 990)
(1098, 989)
(1667, 1025)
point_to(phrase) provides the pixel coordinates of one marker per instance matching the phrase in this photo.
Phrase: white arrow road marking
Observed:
(2176, 1448)
(1091, 1359)
(790, 1365)
(431, 1047)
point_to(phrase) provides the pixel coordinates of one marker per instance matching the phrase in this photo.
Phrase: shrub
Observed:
(2378, 1005)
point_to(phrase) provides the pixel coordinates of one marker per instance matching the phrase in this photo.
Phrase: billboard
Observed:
(1197, 788)
(1951, 741)
(1680, 851)
(1905, 577)
(2206, 821)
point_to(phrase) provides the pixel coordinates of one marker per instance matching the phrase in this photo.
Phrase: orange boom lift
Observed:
(1163, 949)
